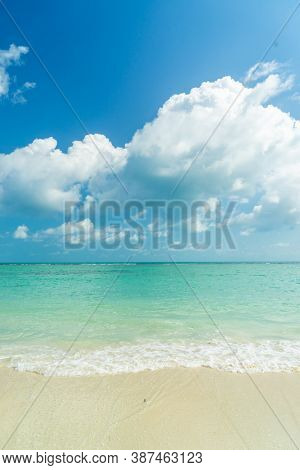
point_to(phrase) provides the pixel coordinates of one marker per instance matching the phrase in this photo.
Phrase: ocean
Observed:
(86, 319)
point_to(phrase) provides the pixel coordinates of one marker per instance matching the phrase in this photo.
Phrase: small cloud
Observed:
(8, 57)
(21, 232)
(212, 203)
(18, 96)
(260, 70)
(295, 97)
(282, 244)
(29, 85)
(247, 232)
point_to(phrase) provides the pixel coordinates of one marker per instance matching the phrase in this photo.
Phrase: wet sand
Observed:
(165, 409)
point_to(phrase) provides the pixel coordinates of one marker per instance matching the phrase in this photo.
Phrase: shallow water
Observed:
(79, 319)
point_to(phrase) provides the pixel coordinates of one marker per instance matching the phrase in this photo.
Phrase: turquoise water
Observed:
(82, 319)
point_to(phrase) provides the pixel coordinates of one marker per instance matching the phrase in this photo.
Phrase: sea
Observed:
(102, 318)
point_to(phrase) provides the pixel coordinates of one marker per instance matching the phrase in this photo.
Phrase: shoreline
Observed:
(179, 408)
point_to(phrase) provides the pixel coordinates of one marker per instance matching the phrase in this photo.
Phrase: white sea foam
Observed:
(268, 356)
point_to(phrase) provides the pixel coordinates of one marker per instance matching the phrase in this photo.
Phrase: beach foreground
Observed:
(165, 409)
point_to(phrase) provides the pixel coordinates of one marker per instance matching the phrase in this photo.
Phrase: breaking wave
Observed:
(266, 356)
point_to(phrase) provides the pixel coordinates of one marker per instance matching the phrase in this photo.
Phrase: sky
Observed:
(138, 87)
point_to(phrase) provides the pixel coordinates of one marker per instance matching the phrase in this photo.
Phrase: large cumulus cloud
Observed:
(253, 157)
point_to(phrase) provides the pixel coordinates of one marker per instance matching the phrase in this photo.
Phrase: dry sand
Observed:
(166, 409)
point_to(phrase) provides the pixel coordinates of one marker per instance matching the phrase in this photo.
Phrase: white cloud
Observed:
(260, 70)
(18, 95)
(21, 232)
(246, 232)
(81, 232)
(71, 231)
(296, 97)
(9, 57)
(42, 177)
(253, 157)
(282, 244)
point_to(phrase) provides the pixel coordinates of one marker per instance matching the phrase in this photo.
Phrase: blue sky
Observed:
(118, 63)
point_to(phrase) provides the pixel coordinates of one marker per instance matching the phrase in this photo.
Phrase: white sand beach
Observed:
(166, 409)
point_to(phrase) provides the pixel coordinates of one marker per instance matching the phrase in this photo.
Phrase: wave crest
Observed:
(267, 356)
